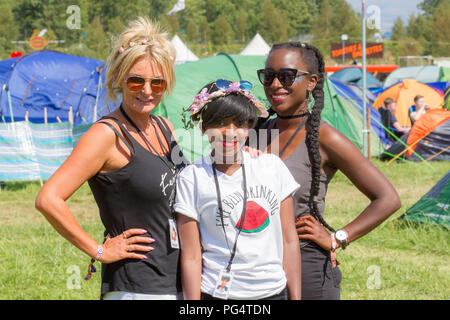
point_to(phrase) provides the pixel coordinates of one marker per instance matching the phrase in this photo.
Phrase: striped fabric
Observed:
(30, 151)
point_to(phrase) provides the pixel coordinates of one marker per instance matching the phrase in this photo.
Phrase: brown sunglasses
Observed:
(135, 84)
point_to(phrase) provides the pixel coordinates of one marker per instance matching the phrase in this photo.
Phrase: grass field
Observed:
(397, 260)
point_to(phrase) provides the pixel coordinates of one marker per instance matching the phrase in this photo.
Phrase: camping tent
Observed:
(354, 75)
(340, 112)
(40, 82)
(352, 93)
(184, 54)
(434, 206)
(431, 136)
(256, 47)
(444, 74)
(422, 73)
(429, 139)
(403, 93)
(5, 66)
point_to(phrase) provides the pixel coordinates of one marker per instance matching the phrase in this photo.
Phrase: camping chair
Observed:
(385, 119)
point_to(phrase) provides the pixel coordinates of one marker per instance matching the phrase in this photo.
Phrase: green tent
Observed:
(444, 74)
(192, 76)
(433, 207)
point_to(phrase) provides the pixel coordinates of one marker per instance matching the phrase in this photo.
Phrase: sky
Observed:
(390, 10)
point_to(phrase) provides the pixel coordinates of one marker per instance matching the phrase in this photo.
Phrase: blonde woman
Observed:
(126, 157)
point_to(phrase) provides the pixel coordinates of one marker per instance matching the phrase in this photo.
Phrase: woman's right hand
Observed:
(124, 246)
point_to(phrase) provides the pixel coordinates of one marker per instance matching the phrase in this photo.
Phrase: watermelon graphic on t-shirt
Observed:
(256, 218)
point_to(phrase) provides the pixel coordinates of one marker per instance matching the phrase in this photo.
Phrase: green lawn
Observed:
(395, 261)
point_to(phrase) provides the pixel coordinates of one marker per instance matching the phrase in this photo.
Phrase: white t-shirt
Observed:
(258, 264)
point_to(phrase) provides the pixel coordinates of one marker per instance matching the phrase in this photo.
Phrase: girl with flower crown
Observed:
(234, 212)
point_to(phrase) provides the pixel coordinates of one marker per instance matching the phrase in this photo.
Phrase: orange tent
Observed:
(426, 124)
(403, 93)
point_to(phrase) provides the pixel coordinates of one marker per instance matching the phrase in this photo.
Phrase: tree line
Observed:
(425, 34)
(214, 25)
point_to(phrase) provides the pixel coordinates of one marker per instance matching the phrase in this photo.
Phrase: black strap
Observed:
(219, 199)
(165, 130)
(293, 136)
(163, 158)
(119, 135)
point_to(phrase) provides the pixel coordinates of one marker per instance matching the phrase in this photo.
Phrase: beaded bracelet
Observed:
(334, 261)
(91, 268)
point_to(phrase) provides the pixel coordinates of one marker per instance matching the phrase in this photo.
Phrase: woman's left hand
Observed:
(309, 228)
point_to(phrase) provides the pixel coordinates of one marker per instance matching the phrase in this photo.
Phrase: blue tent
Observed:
(354, 75)
(347, 93)
(55, 81)
(5, 66)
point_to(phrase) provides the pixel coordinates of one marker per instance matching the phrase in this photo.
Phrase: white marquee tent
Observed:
(256, 47)
(183, 52)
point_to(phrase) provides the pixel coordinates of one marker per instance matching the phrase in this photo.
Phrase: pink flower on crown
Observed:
(199, 101)
(234, 86)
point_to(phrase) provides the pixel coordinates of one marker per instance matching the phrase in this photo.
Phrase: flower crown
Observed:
(242, 87)
(143, 42)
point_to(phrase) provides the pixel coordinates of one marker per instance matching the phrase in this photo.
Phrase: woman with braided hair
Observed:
(313, 151)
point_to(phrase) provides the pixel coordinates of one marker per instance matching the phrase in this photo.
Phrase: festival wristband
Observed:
(91, 268)
(334, 261)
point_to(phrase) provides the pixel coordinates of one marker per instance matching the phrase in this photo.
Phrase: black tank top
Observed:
(137, 195)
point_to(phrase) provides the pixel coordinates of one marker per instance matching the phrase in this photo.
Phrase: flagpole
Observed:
(365, 151)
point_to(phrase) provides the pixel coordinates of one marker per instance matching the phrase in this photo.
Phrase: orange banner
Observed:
(354, 50)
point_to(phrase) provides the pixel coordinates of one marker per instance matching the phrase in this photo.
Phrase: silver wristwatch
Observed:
(341, 237)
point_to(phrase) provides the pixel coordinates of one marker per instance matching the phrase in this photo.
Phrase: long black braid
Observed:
(313, 58)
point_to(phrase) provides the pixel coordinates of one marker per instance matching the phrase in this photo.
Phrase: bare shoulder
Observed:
(339, 150)
(100, 134)
(332, 140)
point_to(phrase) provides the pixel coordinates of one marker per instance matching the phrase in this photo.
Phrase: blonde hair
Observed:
(141, 38)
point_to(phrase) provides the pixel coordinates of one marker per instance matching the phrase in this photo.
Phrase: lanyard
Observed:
(163, 158)
(219, 199)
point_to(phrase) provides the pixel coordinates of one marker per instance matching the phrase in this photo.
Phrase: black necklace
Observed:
(293, 116)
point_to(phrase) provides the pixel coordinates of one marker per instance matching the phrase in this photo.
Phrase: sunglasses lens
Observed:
(286, 77)
(222, 84)
(158, 85)
(135, 83)
(265, 77)
(246, 85)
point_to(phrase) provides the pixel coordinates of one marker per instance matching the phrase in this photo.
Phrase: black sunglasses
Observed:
(286, 76)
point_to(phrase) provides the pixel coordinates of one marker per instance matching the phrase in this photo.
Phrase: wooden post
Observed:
(94, 118)
(26, 116)
(70, 115)
(59, 120)
(45, 115)
(369, 154)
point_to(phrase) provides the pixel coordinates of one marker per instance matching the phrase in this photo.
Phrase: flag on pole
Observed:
(177, 7)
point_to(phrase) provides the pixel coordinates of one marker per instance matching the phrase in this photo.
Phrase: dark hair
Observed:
(234, 105)
(388, 101)
(313, 58)
(419, 96)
